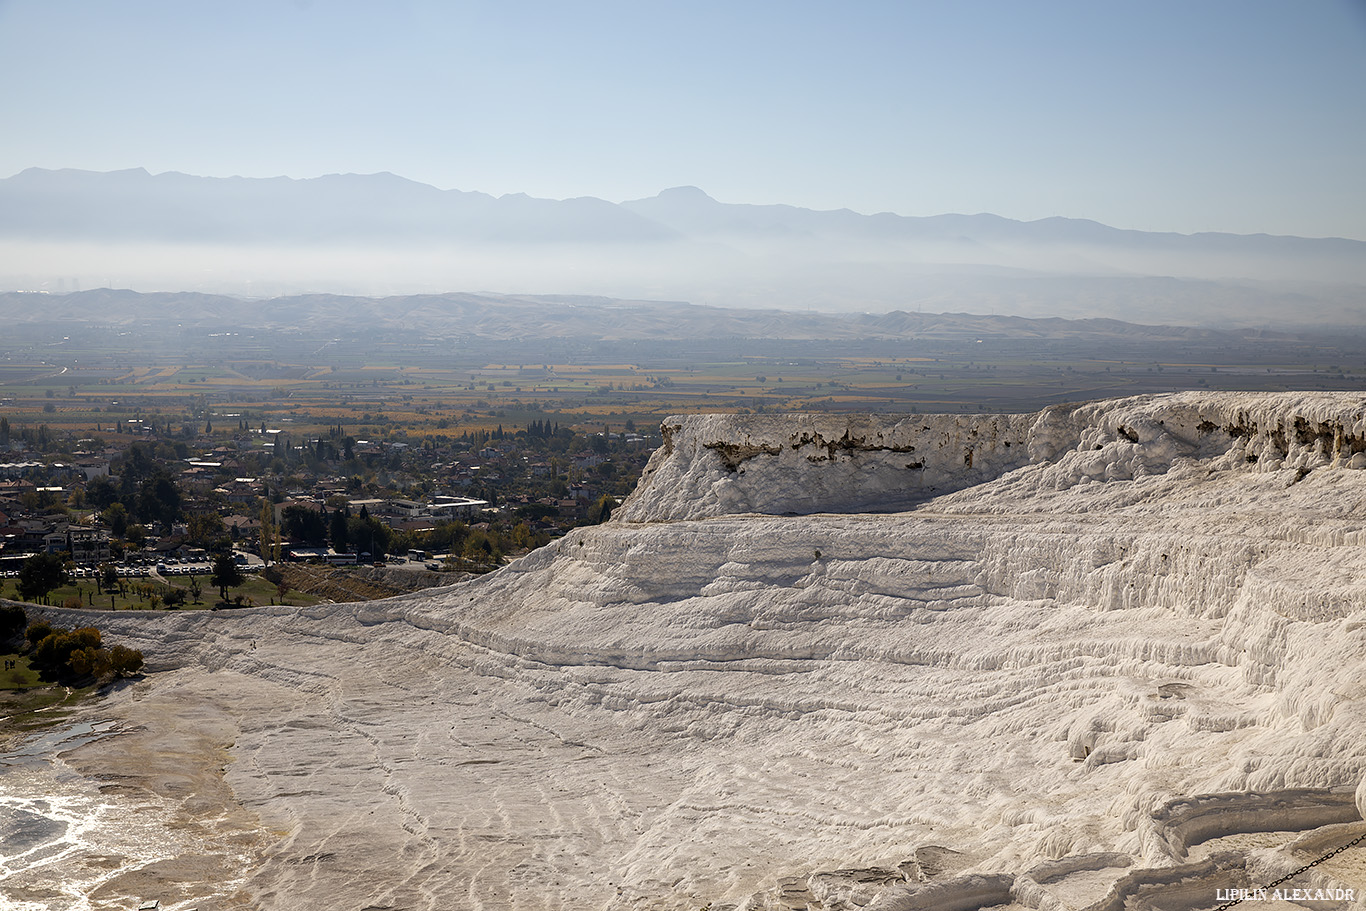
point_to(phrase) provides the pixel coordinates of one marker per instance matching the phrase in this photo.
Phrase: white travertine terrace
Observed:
(1065, 660)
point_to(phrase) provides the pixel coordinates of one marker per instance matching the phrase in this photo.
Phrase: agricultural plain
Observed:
(387, 382)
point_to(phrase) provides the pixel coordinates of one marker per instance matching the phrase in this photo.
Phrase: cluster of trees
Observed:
(42, 573)
(316, 527)
(143, 493)
(40, 438)
(69, 654)
(471, 547)
(169, 595)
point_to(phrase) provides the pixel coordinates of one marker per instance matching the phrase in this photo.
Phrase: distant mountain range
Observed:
(509, 317)
(384, 208)
(371, 208)
(380, 234)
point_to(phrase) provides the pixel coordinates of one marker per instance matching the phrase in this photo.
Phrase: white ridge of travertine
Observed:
(714, 465)
(1124, 656)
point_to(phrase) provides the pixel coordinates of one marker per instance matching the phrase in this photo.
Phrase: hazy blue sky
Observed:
(1234, 115)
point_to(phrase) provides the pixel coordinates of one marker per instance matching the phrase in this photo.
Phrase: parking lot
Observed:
(142, 568)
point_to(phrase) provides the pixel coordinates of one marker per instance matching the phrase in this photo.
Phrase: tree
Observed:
(195, 589)
(301, 523)
(601, 510)
(115, 515)
(101, 492)
(206, 529)
(89, 662)
(226, 574)
(158, 499)
(337, 529)
(270, 534)
(108, 574)
(56, 648)
(37, 631)
(125, 661)
(369, 534)
(39, 575)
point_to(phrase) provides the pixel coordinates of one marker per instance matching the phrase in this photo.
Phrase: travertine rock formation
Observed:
(1076, 659)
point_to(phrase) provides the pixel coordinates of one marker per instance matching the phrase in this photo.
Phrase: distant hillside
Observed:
(490, 316)
(380, 235)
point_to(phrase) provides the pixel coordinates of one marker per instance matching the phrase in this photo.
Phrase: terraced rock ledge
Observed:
(1105, 656)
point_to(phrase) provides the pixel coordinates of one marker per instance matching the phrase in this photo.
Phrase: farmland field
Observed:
(89, 379)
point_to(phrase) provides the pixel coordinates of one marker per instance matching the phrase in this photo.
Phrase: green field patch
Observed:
(17, 673)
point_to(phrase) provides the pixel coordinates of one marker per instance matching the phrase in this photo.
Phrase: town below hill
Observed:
(134, 518)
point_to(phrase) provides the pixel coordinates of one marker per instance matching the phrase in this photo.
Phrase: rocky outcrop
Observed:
(799, 464)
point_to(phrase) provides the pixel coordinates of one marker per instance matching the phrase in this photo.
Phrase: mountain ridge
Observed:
(46, 178)
(382, 235)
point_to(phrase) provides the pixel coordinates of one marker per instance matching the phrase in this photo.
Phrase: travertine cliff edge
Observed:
(804, 463)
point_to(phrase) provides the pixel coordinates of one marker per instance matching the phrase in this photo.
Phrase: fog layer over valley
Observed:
(381, 235)
(1056, 660)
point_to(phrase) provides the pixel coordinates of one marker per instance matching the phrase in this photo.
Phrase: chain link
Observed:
(1269, 886)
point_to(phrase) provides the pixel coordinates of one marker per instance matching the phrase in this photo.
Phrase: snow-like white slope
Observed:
(1098, 654)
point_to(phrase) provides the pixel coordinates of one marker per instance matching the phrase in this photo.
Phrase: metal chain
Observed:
(1269, 886)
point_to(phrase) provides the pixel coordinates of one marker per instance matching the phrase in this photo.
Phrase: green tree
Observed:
(368, 535)
(226, 574)
(206, 529)
(337, 530)
(89, 662)
(300, 523)
(101, 492)
(55, 650)
(115, 516)
(108, 574)
(195, 589)
(158, 499)
(601, 510)
(39, 575)
(481, 550)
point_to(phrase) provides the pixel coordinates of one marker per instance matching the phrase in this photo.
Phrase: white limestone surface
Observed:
(1084, 678)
